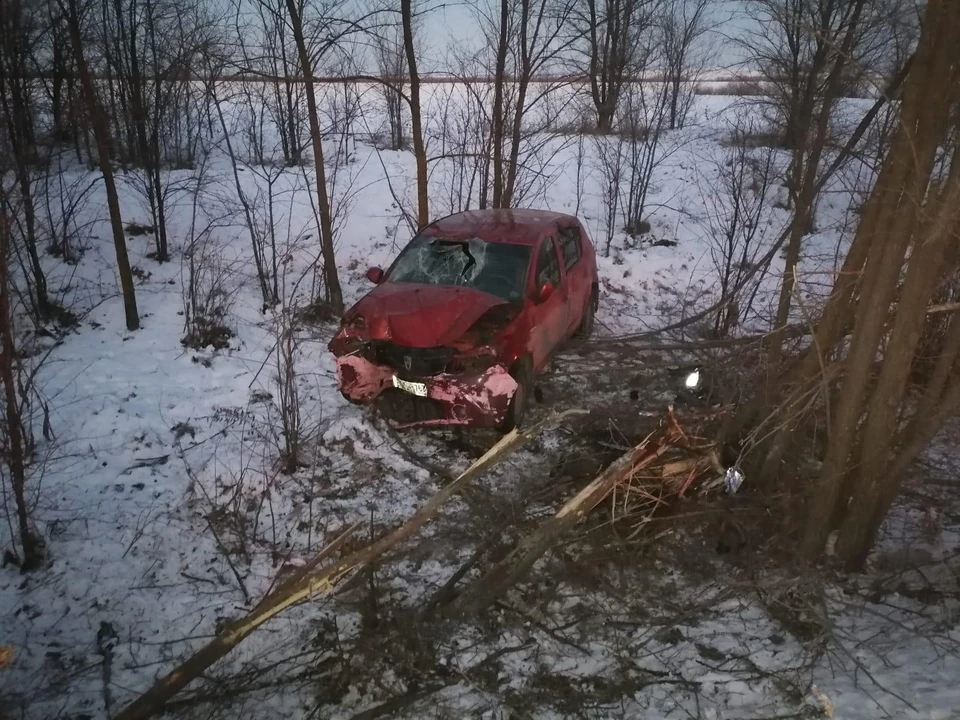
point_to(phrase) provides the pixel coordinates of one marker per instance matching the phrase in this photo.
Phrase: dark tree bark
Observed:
(330, 276)
(101, 130)
(419, 151)
(497, 120)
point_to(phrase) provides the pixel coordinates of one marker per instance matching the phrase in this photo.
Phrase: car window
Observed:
(570, 246)
(548, 269)
(499, 269)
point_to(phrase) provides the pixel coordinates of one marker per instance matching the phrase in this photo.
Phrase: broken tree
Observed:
(522, 558)
(879, 417)
(311, 581)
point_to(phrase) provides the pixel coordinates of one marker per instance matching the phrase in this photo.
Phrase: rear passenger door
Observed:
(549, 318)
(578, 280)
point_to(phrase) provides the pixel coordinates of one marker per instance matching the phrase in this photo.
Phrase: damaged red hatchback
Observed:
(471, 309)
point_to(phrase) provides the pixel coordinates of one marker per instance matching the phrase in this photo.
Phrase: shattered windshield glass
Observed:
(499, 269)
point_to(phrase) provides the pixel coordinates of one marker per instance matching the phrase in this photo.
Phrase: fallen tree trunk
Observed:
(306, 584)
(521, 559)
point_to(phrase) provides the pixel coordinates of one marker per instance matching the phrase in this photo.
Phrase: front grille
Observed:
(412, 362)
(401, 407)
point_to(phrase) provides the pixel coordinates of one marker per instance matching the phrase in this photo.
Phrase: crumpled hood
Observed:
(421, 316)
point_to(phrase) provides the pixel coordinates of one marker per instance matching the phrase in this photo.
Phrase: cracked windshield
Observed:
(498, 269)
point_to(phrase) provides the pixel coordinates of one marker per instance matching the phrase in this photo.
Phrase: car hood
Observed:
(421, 316)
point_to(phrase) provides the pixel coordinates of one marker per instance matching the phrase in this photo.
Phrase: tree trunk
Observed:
(497, 119)
(331, 279)
(419, 151)
(675, 84)
(873, 489)
(153, 155)
(897, 204)
(101, 131)
(604, 119)
(16, 445)
(516, 135)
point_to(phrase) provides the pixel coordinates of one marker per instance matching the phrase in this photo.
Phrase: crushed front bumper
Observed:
(476, 399)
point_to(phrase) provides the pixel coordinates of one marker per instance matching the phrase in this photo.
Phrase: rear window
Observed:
(499, 269)
(570, 245)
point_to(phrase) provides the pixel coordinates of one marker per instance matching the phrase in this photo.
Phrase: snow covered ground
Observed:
(165, 511)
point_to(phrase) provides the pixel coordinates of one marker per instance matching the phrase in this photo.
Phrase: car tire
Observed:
(521, 398)
(587, 321)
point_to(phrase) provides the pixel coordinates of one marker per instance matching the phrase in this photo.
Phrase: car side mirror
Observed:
(546, 290)
(375, 275)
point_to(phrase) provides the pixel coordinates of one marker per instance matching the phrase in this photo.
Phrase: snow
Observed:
(165, 510)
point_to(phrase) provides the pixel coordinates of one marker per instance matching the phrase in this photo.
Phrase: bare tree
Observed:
(20, 33)
(808, 144)
(522, 39)
(248, 205)
(286, 355)
(462, 139)
(879, 303)
(794, 44)
(735, 195)
(68, 122)
(101, 130)
(617, 46)
(331, 279)
(392, 65)
(611, 155)
(157, 46)
(209, 283)
(416, 123)
(644, 115)
(268, 50)
(683, 27)
(15, 432)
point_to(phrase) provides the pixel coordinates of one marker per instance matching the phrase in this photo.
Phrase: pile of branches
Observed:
(672, 465)
(664, 467)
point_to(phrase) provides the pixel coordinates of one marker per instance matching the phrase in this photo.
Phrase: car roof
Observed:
(516, 226)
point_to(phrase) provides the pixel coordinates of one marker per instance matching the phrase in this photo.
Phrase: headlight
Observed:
(692, 381)
(355, 323)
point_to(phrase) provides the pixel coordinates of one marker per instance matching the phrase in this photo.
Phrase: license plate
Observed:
(414, 388)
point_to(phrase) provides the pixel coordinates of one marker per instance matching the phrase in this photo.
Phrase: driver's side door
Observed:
(548, 316)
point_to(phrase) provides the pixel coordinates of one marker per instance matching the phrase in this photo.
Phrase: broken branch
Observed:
(322, 581)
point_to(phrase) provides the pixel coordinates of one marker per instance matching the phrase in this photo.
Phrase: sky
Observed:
(454, 24)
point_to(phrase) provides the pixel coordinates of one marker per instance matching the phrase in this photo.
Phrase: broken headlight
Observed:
(475, 361)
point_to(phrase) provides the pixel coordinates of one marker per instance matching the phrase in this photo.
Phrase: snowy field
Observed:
(165, 511)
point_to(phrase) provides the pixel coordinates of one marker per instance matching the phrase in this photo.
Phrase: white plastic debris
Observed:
(732, 480)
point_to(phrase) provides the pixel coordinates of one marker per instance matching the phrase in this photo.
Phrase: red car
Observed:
(472, 308)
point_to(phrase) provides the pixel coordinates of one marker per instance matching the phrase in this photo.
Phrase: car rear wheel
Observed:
(518, 403)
